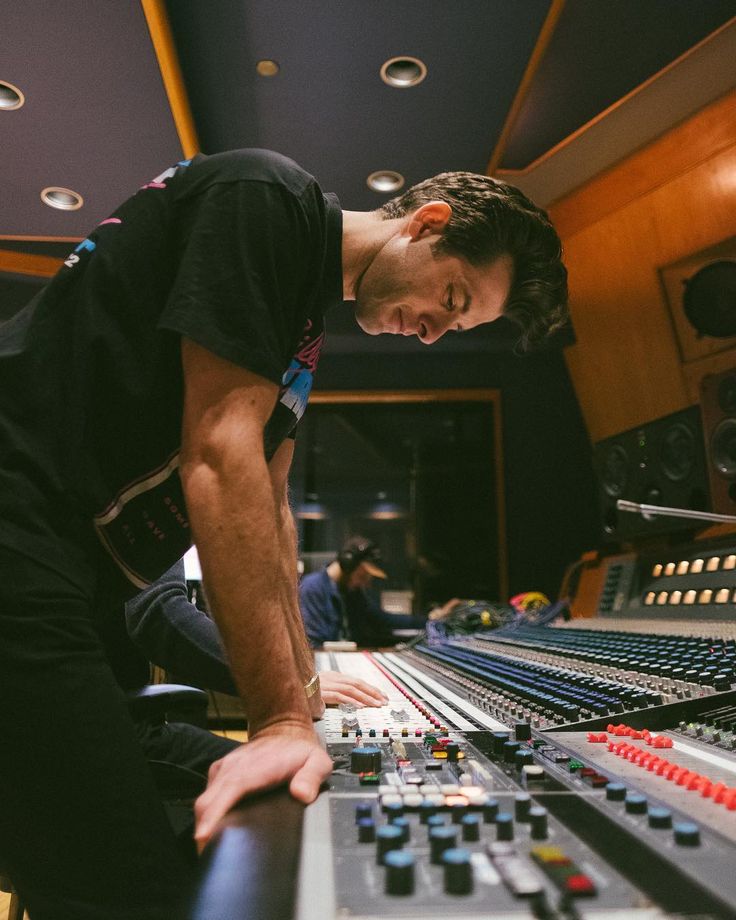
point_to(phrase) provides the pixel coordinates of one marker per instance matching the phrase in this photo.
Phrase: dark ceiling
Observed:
(508, 86)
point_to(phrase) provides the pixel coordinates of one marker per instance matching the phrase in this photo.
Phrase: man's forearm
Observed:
(232, 510)
(288, 538)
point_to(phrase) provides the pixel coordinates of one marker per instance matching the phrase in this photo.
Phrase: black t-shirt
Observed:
(240, 252)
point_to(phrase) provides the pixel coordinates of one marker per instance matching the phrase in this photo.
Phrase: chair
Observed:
(177, 785)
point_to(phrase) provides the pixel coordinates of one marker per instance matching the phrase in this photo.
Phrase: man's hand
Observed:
(439, 613)
(279, 755)
(341, 688)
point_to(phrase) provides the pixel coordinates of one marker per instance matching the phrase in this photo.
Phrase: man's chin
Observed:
(369, 325)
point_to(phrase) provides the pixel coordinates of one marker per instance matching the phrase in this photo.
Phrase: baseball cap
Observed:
(361, 551)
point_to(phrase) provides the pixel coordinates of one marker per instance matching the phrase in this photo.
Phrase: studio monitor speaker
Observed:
(660, 463)
(718, 406)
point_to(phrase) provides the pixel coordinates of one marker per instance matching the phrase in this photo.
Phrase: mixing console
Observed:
(560, 772)
(470, 794)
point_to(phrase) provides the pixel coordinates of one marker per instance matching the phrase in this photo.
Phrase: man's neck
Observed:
(364, 233)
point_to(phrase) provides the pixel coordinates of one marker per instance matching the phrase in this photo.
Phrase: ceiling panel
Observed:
(600, 51)
(328, 107)
(96, 118)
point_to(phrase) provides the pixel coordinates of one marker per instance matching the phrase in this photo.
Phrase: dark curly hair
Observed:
(490, 219)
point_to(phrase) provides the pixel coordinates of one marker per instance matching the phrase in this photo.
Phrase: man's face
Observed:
(359, 578)
(408, 290)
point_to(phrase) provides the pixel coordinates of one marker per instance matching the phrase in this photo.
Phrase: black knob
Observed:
(471, 827)
(499, 739)
(441, 839)
(616, 792)
(363, 810)
(523, 731)
(538, 822)
(365, 759)
(687, 834)
(426, 810)
(458, 871)
(393, 810)
(388, 838)
(636, 804)
(504, 826)
(490, 810)
(399, 872)
(509, 751)
(403, 824)
(452, 750)
(523, 757)
(522, 804)
(458, 812)
(660, 818)
(366, 830)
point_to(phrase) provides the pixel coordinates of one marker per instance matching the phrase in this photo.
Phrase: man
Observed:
(335, 602)
(150, 393)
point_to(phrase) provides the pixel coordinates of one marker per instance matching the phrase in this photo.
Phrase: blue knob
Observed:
(504, 826)
(366, 830)
(471, 827)
(399, 872)
(687, 834)
(660, 818)
(458, 871)
(388, 838)
(441, 839)
(363, 810)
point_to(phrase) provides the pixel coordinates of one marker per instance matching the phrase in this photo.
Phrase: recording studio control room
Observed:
(368, 460)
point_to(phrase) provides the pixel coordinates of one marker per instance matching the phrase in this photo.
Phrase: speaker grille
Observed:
(660, 463)
(718, 404)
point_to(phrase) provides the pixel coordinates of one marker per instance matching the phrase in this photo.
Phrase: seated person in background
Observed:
(335, 602)
(165, 628)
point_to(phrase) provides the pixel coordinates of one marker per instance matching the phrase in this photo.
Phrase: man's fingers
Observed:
(369, 690)
(307, 781)
(334, 698)
(214, 769)
(212, 805)
(354, 687)
(261, 764)
(359, 696)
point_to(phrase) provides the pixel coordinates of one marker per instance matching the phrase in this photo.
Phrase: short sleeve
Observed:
(243, 275)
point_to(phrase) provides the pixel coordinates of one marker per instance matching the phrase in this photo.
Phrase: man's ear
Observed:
(429, 218)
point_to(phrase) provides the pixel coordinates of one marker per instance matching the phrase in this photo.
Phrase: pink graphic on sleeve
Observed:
(309, 349)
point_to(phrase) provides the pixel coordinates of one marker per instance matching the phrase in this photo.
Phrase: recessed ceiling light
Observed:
(403, 72)
(267, 68)
(10, 97)
(63, 199)
(385, 180)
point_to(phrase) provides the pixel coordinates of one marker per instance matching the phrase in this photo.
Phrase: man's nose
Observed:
(431, 329)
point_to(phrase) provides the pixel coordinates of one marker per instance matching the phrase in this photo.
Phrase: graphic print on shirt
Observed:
(146, 526)
(88, 245)
(296, 385)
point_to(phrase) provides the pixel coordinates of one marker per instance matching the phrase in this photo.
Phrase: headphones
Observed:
(356, 551)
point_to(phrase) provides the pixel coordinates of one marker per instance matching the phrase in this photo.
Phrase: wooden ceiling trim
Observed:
(21, 263)
(510, 174)
(681, 149)
(168, 61)
(535, 59)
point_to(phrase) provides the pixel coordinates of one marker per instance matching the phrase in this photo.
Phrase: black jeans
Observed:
(184, 745)
(83, 833)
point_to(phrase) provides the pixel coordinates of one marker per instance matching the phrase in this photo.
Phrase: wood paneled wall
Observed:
(666, 201)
